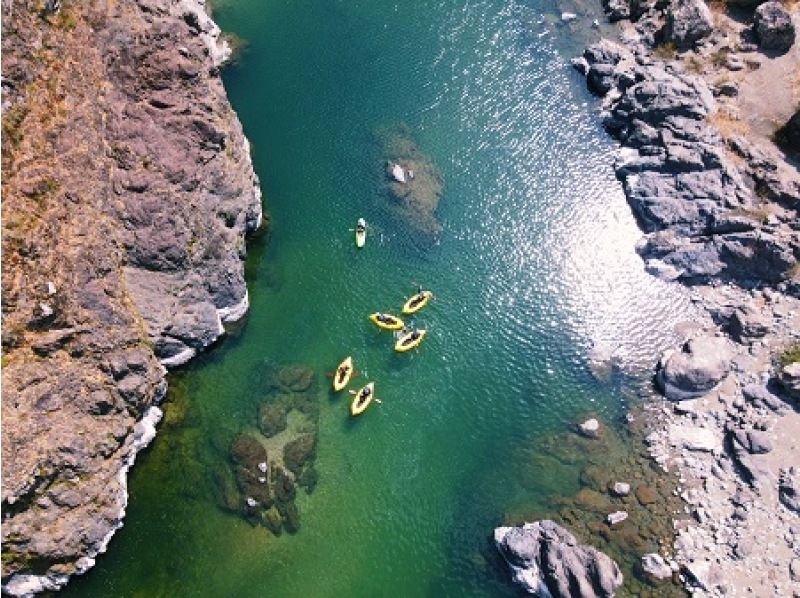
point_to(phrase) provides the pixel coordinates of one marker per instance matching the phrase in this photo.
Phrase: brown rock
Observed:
(646, 495)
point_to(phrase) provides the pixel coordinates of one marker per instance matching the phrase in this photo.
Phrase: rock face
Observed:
(696, 208)
(789, 489)
(773, 27)
(127, 191)
(790, 379)
(688, 21)
(546, 560)
(701, 364)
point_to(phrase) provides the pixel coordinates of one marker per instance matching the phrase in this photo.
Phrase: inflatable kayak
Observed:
(362, 399)
(386, 321)
(409, 340)
(361, 233)
(417, 302)
(342, 374)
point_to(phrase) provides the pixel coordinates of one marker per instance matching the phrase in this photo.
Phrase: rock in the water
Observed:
(694, 371)
(789, 489)
(397, 173)
(790, 379)
(621, 489)
(248, 451)
(297, 452)
(590, 428)
(688, 21)
(773, 27)
(646, 495)
(272, 418)
(655, 569)
(616, 517)
(547, 560)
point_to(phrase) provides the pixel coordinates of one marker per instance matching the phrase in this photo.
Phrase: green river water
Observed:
(534, 267)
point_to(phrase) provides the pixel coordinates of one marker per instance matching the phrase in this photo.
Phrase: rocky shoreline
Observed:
(128, 190)
(719, 204)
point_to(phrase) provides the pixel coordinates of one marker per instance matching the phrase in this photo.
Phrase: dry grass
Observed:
(665, 51)
(694, 64)
(728, 125)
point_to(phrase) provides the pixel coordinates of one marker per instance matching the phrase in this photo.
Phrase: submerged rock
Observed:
(413, 182)
(297, 452)
(547, 560)
(272, 418)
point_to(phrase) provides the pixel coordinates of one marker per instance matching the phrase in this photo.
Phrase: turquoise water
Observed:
(534, 267)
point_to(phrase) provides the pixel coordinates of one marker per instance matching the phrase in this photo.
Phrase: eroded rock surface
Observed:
(127, 190)
(546, 560)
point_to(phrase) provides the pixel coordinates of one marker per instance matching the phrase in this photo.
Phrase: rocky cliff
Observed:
(696, 96)
(128, 190)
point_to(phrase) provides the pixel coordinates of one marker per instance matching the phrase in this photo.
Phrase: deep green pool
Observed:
(535, 267)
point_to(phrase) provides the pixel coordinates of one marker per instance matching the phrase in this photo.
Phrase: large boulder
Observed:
(688, 21)
(790, 379)
(773, 27)
(696, 369)
(547, 560)
(655, 569)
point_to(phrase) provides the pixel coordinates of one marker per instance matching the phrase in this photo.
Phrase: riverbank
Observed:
(691, 95)
(128, 190)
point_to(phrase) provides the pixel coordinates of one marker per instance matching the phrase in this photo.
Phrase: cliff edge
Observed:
(128, 190)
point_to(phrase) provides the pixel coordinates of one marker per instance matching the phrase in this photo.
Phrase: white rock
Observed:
(694, 439)
(616, 517)
(568, 16)
(621, 489)
(655, 568)
(398, 174)
(262, 467)
(590, 428)
(251, 502)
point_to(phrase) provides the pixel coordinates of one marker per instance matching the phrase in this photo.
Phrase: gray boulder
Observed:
(546, 560)
(789, 489)
(696, 369)
(688, 21)
(601, 78)
(754, 442)
(790, 379)
(748, 323)
(773, 27)
(617, 10)
(760, 396)
(655, 569)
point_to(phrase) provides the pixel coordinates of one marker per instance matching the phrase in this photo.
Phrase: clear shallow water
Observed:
(534, 267)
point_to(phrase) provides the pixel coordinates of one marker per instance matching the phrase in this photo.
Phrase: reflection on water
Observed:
(543, 313)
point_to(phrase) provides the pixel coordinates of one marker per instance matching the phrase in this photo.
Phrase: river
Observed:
(535, 266)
